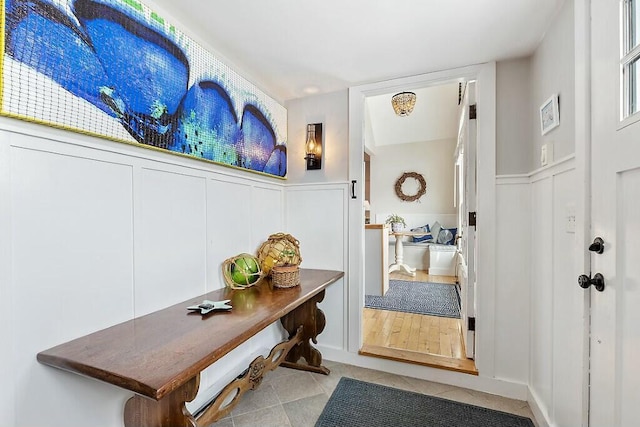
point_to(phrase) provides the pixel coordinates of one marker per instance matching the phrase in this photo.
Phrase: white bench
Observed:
(434, 258)
(431, 257)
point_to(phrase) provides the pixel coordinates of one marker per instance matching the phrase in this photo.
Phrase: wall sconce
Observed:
(313, 146)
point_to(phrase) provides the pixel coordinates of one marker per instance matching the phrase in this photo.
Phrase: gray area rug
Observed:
(435, 299)
(360, 404)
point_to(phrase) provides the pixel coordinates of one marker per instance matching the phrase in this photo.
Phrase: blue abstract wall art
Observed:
(118, 70)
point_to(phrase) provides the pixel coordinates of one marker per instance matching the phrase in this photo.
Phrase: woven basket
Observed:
(279, 249)
(285, 276)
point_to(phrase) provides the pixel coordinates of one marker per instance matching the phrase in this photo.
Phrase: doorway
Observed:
(421, 339)
(402, 319)
(484, 74)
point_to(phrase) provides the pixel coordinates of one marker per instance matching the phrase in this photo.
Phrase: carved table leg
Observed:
(169, 411)
(313, 321)
(229, 397)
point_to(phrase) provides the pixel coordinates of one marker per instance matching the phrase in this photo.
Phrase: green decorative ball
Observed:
(245, 270)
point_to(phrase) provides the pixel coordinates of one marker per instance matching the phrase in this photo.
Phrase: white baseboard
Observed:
(538, 413)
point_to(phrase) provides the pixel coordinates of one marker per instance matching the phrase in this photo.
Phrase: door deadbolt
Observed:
(597, 246)
(597, 281)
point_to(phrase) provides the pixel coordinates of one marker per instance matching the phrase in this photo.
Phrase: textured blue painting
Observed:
(116, 69)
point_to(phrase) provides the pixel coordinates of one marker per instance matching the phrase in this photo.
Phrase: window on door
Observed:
(630, 58)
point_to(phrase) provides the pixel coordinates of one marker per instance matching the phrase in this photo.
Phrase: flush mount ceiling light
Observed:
(403, 103)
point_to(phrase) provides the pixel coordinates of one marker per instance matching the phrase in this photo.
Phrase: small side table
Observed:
(399, 264)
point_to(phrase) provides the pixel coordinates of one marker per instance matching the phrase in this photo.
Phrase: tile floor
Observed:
(290, 398)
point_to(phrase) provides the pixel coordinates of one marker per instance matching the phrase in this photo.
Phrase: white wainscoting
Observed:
(512, 263)
(545, 198)
(94, 233)
(317, 216)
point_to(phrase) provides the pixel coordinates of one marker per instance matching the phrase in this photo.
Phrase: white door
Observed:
(466, 163)
(615, 213)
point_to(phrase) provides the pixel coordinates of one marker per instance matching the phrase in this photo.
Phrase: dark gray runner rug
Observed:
(435, 299)
(360, 404)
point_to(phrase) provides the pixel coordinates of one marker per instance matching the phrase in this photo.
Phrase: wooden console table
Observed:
(160, 356)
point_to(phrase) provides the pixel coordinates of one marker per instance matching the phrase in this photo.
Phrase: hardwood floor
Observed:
(416, 338)
(415, 332)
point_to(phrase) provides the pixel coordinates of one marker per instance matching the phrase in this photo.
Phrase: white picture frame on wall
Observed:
(549, 114)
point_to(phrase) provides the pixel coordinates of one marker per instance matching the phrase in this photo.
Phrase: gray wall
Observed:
(553, 71)
(523, 84)
(332, 110)
(514, 116)
(432, 159)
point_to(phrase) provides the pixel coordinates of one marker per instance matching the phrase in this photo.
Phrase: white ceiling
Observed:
(293, 48)
(434, 118)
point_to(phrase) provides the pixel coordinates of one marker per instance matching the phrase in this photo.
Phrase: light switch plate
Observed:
(543, 155)
(570, 212)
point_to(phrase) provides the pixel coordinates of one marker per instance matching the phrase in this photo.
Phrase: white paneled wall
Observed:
(229, 213)
(170, 238)
(241, 215)
(95, 233)
(512, 279)
(317, 216)
(542, 288)
(72, 273)
(568, 308)
(537, 295)
(7, 399)
(544, 199)
(267, 212)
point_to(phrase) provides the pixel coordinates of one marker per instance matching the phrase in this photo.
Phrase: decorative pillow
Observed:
(435, 231)
(424, 238)
(447, 236)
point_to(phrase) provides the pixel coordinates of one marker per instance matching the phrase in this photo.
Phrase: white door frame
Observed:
(485, 76)
(467, 144)
(582, 84)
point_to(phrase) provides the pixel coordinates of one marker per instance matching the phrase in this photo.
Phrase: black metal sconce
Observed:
(313, 146)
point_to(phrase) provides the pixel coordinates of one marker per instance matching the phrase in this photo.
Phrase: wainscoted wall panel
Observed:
(513, 237)
(317, 216)
(7, 371)
(542, 288)
(537, 295)
(171, 240)
(267, 213)
(557, 311)
(99, 233)
(72, 264)
(229, 216)
(59, 203)
(568, 309)
(241, 215)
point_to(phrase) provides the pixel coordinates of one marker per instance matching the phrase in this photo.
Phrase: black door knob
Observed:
(598, 282)
(585, 281)
(597, 246)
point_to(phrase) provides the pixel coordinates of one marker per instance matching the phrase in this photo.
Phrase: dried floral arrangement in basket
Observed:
(280, 258)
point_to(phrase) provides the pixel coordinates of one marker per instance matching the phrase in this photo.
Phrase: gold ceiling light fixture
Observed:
(403, 103)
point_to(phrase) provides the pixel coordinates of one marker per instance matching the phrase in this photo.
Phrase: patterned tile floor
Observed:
(290, 398)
